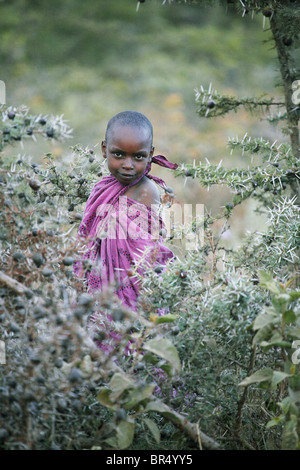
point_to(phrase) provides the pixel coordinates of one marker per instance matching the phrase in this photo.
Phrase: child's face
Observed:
(128, 151)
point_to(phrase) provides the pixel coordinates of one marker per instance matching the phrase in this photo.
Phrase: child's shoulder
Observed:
(146, 192)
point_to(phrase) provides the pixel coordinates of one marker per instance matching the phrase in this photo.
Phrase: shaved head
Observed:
(129, 118)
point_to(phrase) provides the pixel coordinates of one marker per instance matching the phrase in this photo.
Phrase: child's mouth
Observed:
(126, 176)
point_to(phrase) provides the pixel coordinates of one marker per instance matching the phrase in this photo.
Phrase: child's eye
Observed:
(139, 157)
(117, 154)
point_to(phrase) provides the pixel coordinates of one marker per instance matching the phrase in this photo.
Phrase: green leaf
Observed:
(268, 344)
(166, 319)
(281, 302)
(294, 295)
(275, 421)
(278, 377)
(137, 395)
(295, 332)
(167, 368)
(118, 384)
(125, 434)
(149, 357)
(262, 320)
(267, 281)
(112, 442)
(285, 404)
(162, 409)
(290, 438)
(294, 395)
(165, 349)
(262, 375)
(262, 334)
(289, 316)
(104, 398)
(275, 340)
(153, 429)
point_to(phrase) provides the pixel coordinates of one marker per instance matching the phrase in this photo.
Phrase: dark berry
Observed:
(79, 313)
(28, 293)
(211, 104)
(121, 413)
(17, 256)
(47, 272)
(29, 396)
(85, 299)
(287, 41)
(267, 12)
(68, 261)
(6, 131)
(158, 269)
(3, 434)
(39, 312)
(175, 331)
(75, 375)
(62, 405)
(58, 362)
(42, 121)
(38, 259)
(50, 132)
(29, 131)
(117, 315)
(34, 184)
(35, 358)
(11, 115)
(14, 327)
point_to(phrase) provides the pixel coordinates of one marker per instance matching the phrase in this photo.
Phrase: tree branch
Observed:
(13, 284)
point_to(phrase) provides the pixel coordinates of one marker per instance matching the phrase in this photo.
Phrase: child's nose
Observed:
(128, 163)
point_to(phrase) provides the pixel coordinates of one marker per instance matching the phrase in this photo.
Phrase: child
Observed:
(120, 222)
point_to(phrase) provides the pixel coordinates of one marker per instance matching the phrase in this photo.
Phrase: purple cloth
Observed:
(118, 232)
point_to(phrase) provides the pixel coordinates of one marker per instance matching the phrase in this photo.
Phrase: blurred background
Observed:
(89, 60)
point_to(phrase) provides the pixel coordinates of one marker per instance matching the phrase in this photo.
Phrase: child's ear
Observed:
(151, 153)
(103, 147)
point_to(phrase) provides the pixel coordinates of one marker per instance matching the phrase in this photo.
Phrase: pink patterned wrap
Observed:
(119, 231)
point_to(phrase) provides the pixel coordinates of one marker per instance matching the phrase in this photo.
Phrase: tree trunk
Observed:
(288, 78)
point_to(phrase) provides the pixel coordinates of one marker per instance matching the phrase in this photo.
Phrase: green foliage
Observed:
(208, 327)
(278, 327)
